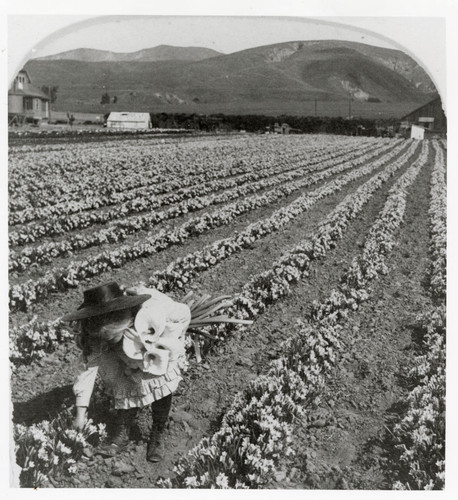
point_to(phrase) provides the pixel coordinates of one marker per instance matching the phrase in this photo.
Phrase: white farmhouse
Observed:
(125, 120)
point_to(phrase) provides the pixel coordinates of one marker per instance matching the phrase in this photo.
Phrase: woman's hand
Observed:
(80, 418)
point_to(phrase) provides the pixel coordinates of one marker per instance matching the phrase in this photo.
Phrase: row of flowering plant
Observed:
(34, 339)
(135, 201)
(33, 232)
(256, 432)
(438, 217)
(210, 176)
(52, 447)
(184, 269)
(49, 178)
(46, 147)
(420, 435)
(380, 241)
(41, 180)
(268, 286)
(166, 183)
(146, 199)
(119, 230)
(95, 131)
(31, 341)
(23, 295)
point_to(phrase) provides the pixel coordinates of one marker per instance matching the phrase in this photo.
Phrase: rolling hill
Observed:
(284, 78)
(159, 53)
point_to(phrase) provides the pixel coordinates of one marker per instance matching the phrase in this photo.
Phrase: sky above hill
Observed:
(224, 34)
(127, 33)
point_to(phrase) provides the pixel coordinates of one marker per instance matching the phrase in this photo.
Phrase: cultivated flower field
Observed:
(336, 248)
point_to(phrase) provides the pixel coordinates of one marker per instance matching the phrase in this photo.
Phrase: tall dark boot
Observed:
(160, 411)
(120, 438)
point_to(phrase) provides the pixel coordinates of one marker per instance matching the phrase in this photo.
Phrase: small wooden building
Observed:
(26, 102)
(417, 132)
(430, 117)
(131, 121)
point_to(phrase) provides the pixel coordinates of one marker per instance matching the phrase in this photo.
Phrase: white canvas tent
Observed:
(125, 120)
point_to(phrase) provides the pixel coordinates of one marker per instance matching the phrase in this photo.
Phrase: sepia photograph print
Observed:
(227, 249)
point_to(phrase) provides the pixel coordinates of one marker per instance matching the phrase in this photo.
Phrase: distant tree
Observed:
(105, 98)
(50, 91)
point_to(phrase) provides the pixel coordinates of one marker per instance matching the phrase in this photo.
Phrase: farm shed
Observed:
(26, 101)
(430, 117)
(124, 120)
(417, 132)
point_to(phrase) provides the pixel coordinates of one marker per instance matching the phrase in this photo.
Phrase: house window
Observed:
(20, 82)
(36, 103)
(28, 103)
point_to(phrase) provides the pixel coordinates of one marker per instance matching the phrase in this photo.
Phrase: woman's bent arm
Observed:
(84, 385)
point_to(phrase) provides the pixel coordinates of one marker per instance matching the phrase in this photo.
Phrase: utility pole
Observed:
(315, 106)
(49, 104)
(349, 107)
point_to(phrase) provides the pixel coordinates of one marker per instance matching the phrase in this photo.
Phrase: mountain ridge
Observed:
(277, 77)
(158, 53)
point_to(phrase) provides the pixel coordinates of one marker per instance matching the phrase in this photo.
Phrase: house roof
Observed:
(422, 106)
(26, 73)
(118, 116)
(30, 91)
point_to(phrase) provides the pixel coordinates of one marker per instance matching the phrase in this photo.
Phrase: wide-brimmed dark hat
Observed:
(103, 299)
